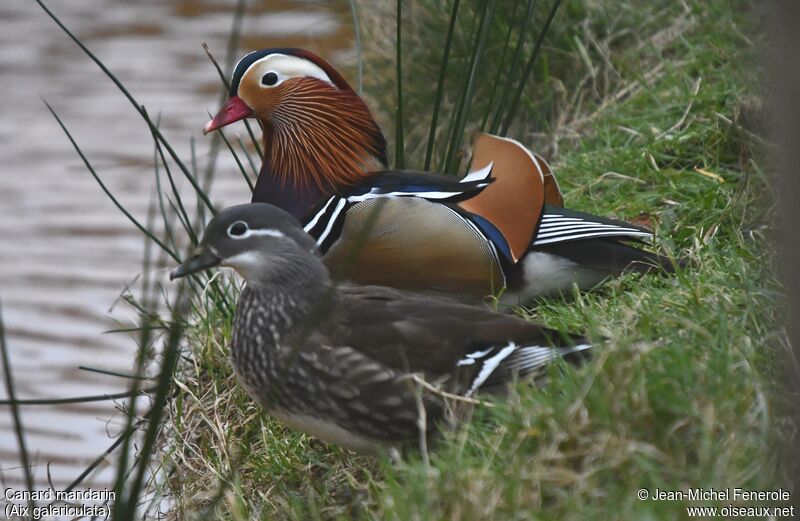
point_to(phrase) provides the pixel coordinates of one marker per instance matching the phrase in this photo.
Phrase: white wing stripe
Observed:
(540, 241)
(558, 218)
(331, 221)
(532, 357)
(577, 226)
(478, 175)
(529, 358)
(595, 228)
(424, 195)
(313, 222)
(579, 347)
(470, 359)
(489, 365)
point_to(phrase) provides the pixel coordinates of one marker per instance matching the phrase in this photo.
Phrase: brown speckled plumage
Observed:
(343, 362)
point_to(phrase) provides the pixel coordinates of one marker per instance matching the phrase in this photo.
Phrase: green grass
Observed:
(648, 112)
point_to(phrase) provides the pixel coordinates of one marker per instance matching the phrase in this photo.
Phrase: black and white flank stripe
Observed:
(441, 191)
(326, 222)
(498, 364)
(562, 225)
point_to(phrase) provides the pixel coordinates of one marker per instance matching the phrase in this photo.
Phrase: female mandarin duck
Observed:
(501, 228)
(344, 363)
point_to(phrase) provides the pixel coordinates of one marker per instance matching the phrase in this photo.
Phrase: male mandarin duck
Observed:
(351, 365)
(502, 228)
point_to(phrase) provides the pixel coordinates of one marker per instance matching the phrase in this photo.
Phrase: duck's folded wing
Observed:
(408, 183)
(437, 337)
(513, 203)
(325, 221)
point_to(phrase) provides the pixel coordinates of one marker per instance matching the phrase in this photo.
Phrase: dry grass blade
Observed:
(512, 109)
(501, 65)
(476, 59)
(79, 399)
(180, 210)
(126, 506)
(136, 105)
(399, 158)
(100, 459)
(438, 98)
(19, 429)
(359, 52)
(512, 69)
(112, 373)
(149, 233)
(238, 161)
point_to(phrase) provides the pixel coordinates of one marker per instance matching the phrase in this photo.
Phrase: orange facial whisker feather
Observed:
(323, 137)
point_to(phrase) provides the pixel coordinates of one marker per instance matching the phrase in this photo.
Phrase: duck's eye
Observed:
(237, 229)
(269, 79)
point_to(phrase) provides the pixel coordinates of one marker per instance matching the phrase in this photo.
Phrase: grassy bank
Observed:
(650, 113)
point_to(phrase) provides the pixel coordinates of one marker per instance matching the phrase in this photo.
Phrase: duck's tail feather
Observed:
(500, 365)
(611, 256)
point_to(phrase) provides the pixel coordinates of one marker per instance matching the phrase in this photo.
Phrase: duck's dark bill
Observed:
(197, 262)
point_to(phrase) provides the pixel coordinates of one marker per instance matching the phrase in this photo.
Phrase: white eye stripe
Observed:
(268, 232)
(287, 67)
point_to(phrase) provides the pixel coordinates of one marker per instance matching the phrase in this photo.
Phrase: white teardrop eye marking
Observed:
(237, 230)
(284, 67)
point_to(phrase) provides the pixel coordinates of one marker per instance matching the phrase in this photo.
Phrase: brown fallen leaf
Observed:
(644, 219)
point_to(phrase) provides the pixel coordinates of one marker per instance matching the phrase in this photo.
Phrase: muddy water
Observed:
(66, 252)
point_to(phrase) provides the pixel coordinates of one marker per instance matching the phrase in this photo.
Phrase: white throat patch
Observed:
(249, 264)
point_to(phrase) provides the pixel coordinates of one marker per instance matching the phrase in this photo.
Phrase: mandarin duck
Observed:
(501, 229)
(351, 365)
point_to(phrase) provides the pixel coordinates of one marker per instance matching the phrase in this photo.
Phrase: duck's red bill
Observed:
(233, 110)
